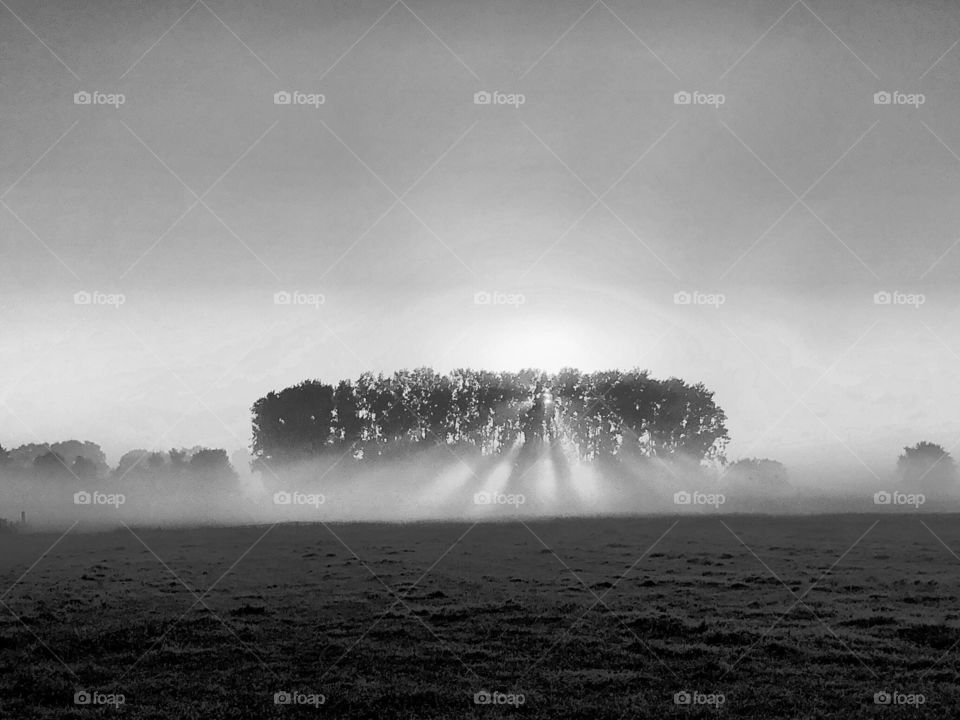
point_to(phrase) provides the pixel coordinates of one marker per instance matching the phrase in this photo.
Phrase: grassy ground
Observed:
(583, 618)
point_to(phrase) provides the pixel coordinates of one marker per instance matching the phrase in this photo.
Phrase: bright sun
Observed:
(548, 346)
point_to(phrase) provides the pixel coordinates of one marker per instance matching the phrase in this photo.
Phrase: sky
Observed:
(587, 206)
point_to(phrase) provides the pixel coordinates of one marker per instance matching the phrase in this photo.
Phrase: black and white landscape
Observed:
(477, 359)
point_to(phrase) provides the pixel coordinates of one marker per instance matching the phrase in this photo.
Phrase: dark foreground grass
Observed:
(792, 618)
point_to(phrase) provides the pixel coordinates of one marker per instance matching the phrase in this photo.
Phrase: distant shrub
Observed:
(927, 465)
(759, 474)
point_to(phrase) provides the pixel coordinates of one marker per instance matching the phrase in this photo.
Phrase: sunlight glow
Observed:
(544, 485)
(548, 345)
(449, 483)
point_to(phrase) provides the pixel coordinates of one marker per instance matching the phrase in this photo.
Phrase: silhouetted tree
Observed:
(132, 463)
(7, 469)
(84, 468)
(600, 415)
(928, 466)
(51, 465)
(25, 455)
(156, 461)
(178, 458)
(296, 423)
(348, 424)
(85, 449)
(211, 465)
(758, 474)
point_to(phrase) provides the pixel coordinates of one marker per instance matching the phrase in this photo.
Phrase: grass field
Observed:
(587, 618)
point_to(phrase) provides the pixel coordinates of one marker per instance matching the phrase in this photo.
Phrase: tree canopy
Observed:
(73, 461)
(927, 465)
(758, 474)
(597, 415)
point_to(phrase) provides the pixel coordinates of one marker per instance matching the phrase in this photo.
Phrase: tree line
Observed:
(84, 461)
(596, 415)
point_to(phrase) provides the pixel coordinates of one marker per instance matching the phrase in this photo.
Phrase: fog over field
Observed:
(749, 198)
(171, 258)
(466, 358)
(438, 484)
